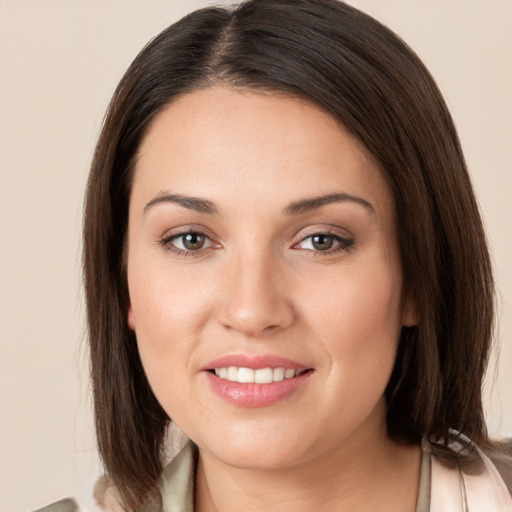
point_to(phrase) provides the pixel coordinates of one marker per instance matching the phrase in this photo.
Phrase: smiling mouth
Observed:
(260, 376)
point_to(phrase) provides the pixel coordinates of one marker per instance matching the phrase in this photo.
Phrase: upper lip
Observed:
(254, 361)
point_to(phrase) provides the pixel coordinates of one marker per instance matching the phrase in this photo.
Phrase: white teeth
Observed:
(288, 374)
(260, 376)
(232, 373)
(245, 375)
(278, 374)
(263, 376)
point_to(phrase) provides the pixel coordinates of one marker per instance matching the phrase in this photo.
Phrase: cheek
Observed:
(164, 327)
(358, 321)
(165, 303)
(356, 303)
(168, 311)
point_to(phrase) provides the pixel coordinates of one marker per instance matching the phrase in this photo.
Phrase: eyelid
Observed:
(324, 229)
(188, 228)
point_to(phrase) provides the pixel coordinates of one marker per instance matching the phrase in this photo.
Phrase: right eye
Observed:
(188, 242)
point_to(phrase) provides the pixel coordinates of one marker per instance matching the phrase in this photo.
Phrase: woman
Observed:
(283, 255)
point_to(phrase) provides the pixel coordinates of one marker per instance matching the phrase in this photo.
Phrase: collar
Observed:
(442, 488)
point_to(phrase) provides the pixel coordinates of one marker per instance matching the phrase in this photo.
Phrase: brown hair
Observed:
(360, 72)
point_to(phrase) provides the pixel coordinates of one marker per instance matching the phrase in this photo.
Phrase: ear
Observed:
(131, 318)
(410, 313)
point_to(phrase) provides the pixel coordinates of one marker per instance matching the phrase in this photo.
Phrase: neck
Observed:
(357, 476)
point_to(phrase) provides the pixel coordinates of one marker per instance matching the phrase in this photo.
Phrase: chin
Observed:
(260, 448)
(259, 458)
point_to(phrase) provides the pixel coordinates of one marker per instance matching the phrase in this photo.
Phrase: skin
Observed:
(259, 286)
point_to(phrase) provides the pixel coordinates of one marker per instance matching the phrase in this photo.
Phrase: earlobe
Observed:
(131, 319)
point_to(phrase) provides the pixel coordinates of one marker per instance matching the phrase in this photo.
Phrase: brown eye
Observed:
(322, 242)
(193, 241)
(325, 243)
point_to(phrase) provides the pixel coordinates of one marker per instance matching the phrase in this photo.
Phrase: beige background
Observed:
(59, 63)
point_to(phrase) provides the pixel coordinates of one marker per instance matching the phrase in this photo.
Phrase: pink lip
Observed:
(252, 394)
(255, 395)
(254, 361)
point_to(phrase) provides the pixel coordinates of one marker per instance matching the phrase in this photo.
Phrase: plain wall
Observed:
(60, 61)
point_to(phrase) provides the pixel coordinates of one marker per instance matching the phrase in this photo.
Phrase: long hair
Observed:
(361, 73)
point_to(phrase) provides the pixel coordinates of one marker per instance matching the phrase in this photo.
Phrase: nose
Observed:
(256, 301)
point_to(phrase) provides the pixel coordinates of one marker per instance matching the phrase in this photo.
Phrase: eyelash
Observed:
(343, 244)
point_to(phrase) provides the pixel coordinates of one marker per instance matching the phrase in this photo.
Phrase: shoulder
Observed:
(97, 496)
(464, 475)
(500, 454)
(177, 482)
(65, 505)
(175, 490)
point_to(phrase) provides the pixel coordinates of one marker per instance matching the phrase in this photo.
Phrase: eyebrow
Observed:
(314, 203)
(192, 203)
(302, 206)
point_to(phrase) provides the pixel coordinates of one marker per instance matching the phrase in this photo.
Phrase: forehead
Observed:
(228, 144)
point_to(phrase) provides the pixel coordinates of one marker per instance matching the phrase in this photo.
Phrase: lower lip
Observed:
(256, 395)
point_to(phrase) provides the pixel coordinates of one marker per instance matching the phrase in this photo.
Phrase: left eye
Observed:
(323, 242)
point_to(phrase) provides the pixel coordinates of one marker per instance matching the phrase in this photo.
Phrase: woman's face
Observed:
(262, 237)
